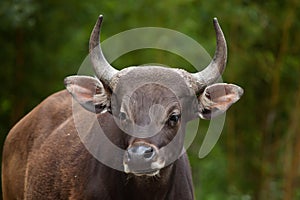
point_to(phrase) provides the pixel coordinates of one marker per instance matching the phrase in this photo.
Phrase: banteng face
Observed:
(152, 104)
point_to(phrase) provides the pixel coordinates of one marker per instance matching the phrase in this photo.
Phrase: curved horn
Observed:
(104, 71)
(214, 70)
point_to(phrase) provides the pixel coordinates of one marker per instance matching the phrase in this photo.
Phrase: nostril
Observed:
(139, 153)
(127, 157)
(149, 153)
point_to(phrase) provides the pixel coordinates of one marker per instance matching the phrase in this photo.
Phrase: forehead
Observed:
(161, 78)
(148, 95)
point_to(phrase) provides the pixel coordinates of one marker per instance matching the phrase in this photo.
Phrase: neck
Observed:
(149, 187)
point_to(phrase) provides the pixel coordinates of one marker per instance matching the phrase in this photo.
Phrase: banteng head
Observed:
(151, 104)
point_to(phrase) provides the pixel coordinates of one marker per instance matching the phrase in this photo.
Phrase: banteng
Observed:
(115, 136)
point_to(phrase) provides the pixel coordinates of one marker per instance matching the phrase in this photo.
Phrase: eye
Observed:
(173, 119)
(122, 116)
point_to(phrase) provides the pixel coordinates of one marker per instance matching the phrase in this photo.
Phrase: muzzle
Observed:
(142, 159)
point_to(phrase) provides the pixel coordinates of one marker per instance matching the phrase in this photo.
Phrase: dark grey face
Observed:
(148, 107)
(147, 110)
(151, 118)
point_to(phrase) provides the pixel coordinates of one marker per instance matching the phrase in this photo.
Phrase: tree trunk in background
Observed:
(271, 138)
(18, 99)
(292, 152)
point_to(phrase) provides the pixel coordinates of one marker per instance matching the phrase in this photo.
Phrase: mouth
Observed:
(153, 171)
(146, 173)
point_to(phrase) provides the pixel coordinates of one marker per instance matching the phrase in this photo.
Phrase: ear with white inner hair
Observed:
(217, 98)
(88, 92)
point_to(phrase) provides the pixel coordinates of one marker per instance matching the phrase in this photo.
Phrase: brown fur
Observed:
(44, 158)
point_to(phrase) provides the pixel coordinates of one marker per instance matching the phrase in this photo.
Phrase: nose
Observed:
(141, 153)
(142, 159)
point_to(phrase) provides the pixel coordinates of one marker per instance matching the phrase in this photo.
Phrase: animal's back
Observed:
(28, 134)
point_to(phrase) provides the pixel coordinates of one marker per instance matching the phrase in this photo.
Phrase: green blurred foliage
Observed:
(257, 156)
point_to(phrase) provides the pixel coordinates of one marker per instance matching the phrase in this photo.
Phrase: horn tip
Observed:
(100, 19)
(215, 21)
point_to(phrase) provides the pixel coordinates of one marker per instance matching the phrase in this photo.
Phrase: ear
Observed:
(217, 98)
(89, 93)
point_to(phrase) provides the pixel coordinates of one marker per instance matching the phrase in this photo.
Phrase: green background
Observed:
(258, 154)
